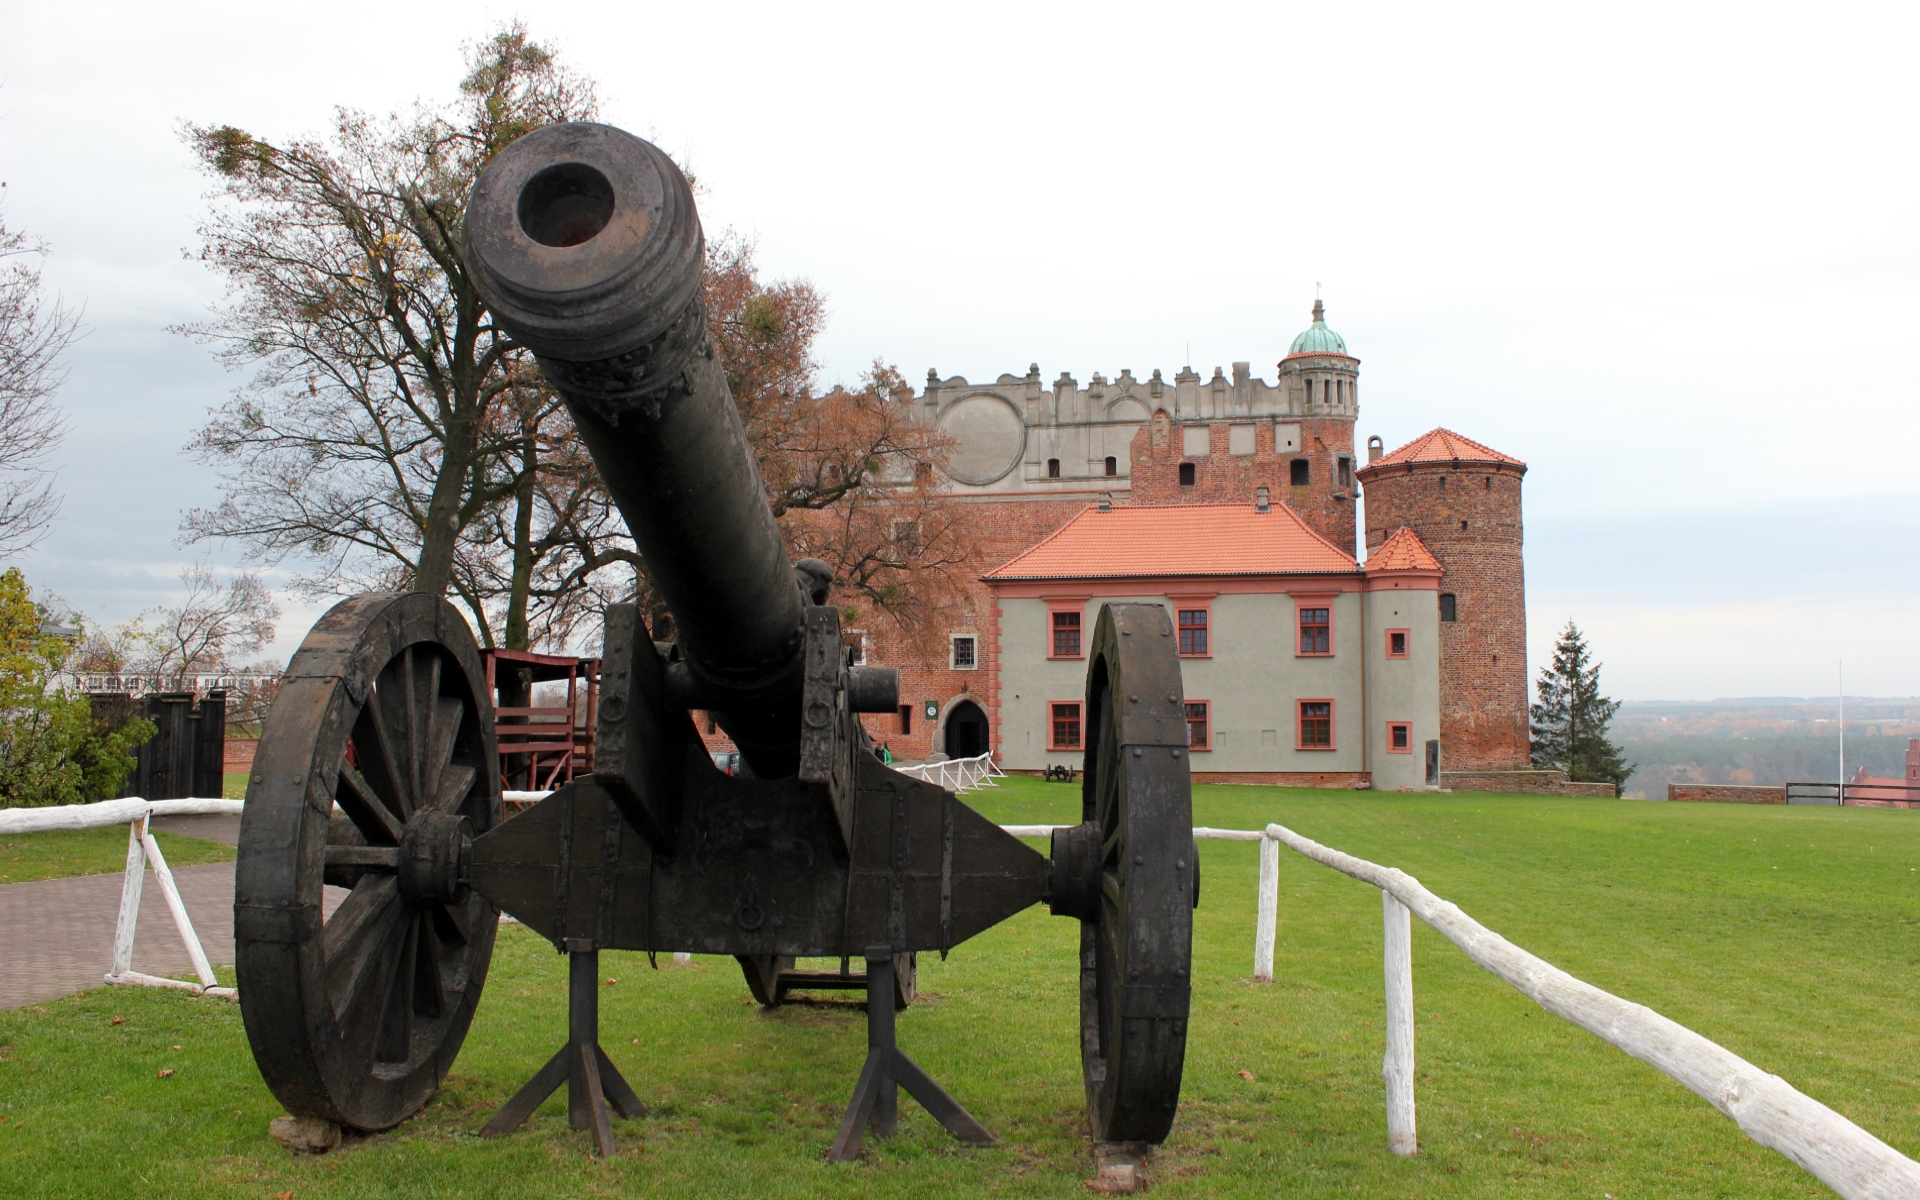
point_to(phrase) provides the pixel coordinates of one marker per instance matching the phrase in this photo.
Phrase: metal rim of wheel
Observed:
(1136, 952)
(384, 713)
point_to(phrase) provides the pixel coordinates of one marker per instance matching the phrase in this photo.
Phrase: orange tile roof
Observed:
(1180, 539)
(1443, 445)
(1404, 551)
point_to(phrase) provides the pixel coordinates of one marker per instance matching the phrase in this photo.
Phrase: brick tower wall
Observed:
(1223, 477)
(1469, 516)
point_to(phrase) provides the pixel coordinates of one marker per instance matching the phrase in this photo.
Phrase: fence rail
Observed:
(958, 774)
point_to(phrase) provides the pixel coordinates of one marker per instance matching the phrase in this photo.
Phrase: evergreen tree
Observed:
(1570, 717)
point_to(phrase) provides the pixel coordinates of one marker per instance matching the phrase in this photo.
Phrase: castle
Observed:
(1317, 667)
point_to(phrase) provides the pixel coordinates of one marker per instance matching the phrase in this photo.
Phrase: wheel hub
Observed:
(436, 858)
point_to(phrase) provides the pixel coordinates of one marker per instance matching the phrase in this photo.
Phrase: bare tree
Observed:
(365, 437)
(34, 333)
(219, 622)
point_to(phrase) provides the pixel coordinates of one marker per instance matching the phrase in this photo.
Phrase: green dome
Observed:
(1319, 339)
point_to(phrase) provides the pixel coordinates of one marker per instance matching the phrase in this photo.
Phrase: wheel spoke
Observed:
(455, 783)
(395, 1017)
(450, 922)
(415, 735)
(374, 858)
(442, 732)
(358, 942)
(429, 986)
(371, 815)
(374, 748)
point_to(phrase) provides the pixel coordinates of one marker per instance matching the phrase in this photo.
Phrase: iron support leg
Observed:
(876, 1097)
(594, 1086)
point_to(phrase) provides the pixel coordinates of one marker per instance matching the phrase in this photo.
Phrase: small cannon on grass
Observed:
(378, 772)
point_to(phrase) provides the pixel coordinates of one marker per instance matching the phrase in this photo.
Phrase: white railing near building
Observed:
(198, 682)
(958, 774)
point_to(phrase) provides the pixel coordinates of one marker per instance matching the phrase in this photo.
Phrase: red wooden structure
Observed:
(544, 746)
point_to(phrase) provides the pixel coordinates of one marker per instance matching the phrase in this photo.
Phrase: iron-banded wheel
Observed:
(1130, 873)
(384, 712)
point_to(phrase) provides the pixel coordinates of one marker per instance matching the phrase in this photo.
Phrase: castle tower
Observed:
(1321, 382)
(1463, 499)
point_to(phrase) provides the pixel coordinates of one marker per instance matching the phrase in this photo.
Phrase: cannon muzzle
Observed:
(584, 241)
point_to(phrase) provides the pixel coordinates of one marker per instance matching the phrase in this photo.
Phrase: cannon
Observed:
(374, 861)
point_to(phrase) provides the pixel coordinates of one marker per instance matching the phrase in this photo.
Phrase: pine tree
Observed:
(1570, 718)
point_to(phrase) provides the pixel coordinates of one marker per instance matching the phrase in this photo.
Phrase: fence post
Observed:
(1269, 910)
(130, 899)
(1397, 1069)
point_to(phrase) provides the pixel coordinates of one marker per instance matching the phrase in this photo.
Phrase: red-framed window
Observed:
(1316, 627)
(1064, 626)
(1194, 641)
(1399, 643)
(1315, 726)
(1063, 725)
(1399, 737)
(1200, 724)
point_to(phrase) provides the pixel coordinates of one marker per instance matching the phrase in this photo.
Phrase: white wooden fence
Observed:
(142, 851)
(958, 774)
(1845, 1157)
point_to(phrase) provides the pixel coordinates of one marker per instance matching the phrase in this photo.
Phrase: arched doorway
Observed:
(966, 730)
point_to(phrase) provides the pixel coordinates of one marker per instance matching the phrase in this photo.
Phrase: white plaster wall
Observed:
(1403, 689)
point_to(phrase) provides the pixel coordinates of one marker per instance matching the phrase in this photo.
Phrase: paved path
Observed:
(56, 935)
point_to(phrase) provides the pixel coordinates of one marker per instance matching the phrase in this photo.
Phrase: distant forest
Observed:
(1766, 740)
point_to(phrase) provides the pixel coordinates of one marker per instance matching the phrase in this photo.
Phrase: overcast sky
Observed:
(1666, 254)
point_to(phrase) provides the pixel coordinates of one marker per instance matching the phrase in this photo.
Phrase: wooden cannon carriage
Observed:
(378, 770)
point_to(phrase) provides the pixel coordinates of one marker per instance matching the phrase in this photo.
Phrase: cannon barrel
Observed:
(585, 243)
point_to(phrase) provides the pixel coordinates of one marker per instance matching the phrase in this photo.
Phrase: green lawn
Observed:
(30, 856)
(1786, 934)
(234, 785)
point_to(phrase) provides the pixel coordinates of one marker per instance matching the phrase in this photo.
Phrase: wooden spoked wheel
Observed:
(1139, 877)
(384, 713)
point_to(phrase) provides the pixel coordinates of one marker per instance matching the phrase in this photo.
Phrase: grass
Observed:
(30, 856)
(1786, 934)
(233, 785)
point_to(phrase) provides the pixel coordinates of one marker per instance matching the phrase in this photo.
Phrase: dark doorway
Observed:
(966, 730)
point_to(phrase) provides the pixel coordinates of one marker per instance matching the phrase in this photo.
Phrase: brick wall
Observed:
(1225, 478)
(1726, 793)
(1528, 782)
(1469, 516)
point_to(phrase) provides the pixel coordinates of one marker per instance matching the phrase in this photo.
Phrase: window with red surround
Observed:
(1399, 737)
(1199, 725)
(1316, 725)
(1063, 729)
(1316, 630)
(1193, 633)
(1398, 641)
(1066, 632)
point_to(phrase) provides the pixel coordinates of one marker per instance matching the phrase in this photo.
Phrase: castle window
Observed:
(1066, 633)
(1316, 631)
(1489, 483)
(1193, 632)
(1298, 470)
(1443, 483)
(1316, 725)
(1186, 474)
(1463, 524)
(1113, 465)
(906, 718)
(1197, 725)
(1399, 737)
(856, 644)
(1448, 609)
(966, 652)
(1397, 643)
(1063, 731)
(1053, 468)
(1346, 472)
